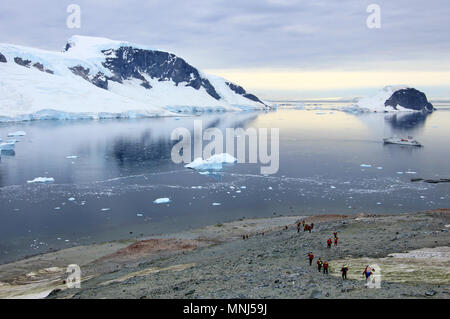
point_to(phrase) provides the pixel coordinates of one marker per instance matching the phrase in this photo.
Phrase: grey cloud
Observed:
(308, 34)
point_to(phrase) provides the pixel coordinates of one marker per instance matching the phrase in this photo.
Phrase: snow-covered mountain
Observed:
(102, 78)
(395, 99)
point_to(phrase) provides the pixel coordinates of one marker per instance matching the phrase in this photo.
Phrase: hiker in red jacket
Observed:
(329, 242)
(311, 257)
(309, 228)
(335, 241)
(325, 267)
(319, 264)
(335, 234)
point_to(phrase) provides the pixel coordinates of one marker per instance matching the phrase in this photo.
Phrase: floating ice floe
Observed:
(365, 165)
(410, 172)
(215, 162)
(42, 180)
(163, 200)
(16, 134)
(71, 199)
(216, 204)
(105, 209)
(139, 215)
(9, 146)
(71, 157)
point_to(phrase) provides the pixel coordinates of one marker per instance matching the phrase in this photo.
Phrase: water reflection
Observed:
(409, 121)
(151, 146)
(8, 152)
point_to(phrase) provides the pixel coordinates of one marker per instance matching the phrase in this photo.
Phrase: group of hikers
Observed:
(323, 266)
(329, 241)
(306, 227)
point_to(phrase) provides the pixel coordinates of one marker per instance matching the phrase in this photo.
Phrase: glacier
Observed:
(99, 78)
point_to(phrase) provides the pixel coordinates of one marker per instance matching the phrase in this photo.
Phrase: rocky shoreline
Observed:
(410, 251)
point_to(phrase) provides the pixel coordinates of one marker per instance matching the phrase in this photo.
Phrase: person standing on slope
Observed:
(310, 257)
(344, 271)
(325, 267)
(319, 264)
(329, 243)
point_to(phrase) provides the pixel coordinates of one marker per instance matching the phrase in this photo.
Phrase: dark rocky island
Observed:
(410, 98)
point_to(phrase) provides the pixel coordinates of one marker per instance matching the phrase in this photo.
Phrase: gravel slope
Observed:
(275, 265)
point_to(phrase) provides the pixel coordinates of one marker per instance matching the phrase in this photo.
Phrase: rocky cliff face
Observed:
(2, 58)
(409, 98)
(128, 62)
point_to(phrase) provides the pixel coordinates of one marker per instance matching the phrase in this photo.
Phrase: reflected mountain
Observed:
(152, 146)
(409, 121)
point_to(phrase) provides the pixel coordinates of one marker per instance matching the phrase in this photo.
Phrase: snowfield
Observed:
(53, 91)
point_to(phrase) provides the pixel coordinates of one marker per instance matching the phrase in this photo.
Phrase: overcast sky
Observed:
(324, 45)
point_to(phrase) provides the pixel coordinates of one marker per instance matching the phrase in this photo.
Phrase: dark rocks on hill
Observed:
(411, 99)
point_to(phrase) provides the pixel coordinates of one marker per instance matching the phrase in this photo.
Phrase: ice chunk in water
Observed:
(163, 200)
(42, 180)
(365, 165)
(72, 157)
(213, 163)
(7, 146)
(18, 133)
(216, 204)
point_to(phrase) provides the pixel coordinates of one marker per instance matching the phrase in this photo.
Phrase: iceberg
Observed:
(215, 162)
(16, 134)
(163, 200)
(7, 146)
(42, 180)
